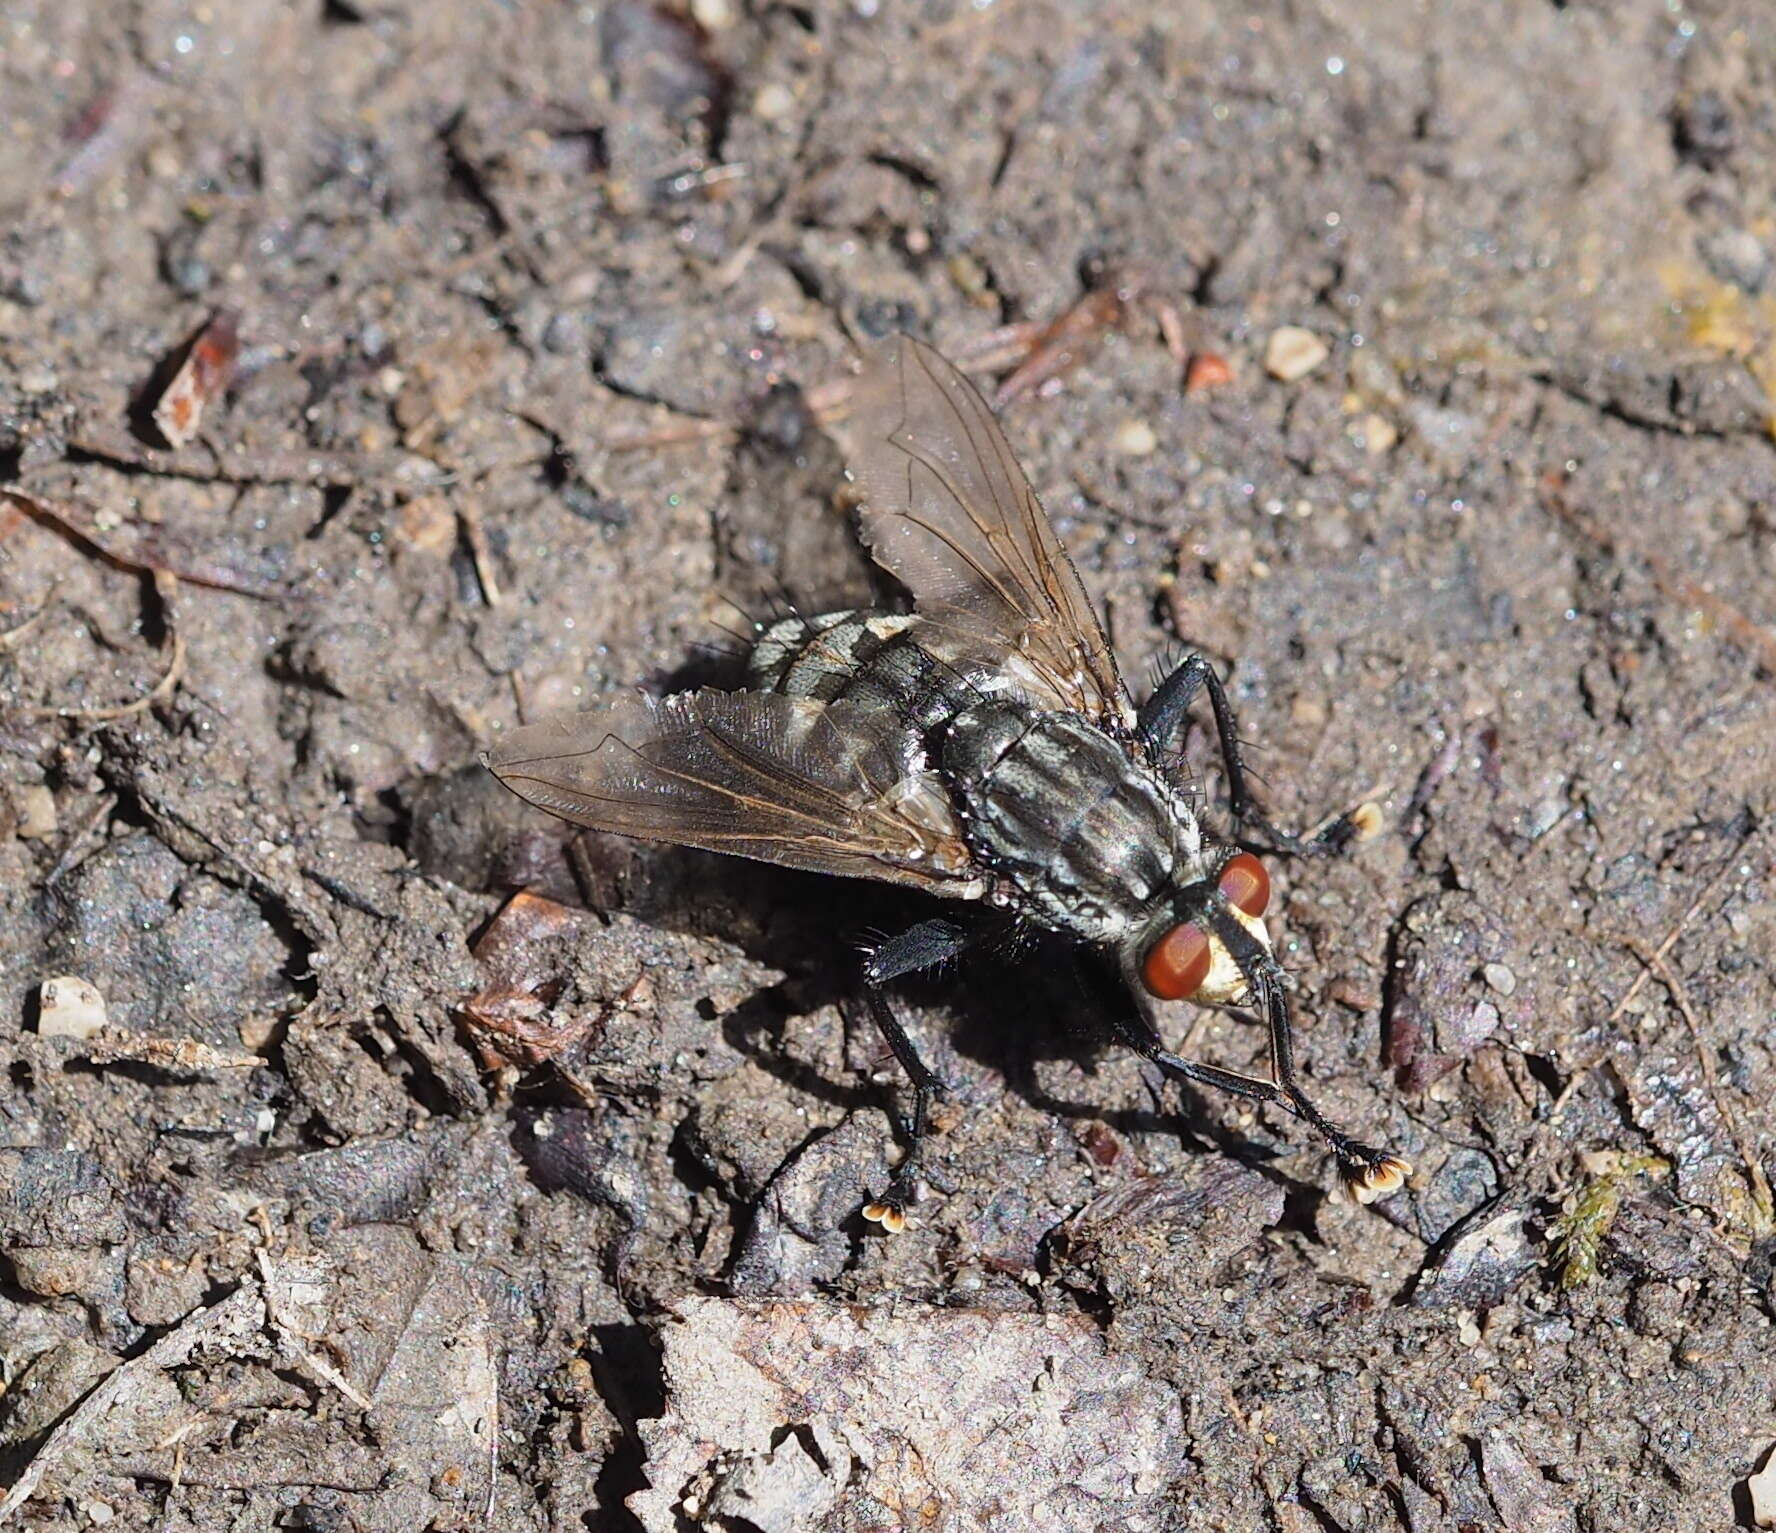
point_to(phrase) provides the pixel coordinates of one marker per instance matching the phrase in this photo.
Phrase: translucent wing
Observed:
(830, 787)
(949, 513)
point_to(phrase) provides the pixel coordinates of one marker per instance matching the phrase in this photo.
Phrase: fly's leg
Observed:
(919, 947)
(1369, 1173)
(1158, 722)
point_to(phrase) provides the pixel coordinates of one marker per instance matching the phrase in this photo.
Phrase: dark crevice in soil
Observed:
(626, 1371)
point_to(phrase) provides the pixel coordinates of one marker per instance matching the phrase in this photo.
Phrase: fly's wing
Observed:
(826, 787)
(950, 515)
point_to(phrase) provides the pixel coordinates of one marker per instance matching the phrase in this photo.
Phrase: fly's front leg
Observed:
(919, 947)
(1158, 722)
(1368, 1173)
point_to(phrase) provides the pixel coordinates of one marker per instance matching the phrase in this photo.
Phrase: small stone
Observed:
(1207, 370)
(1500, 978)
(1760, 1490)
(773, 103)
(1378, 435)
(37, 813)
(1135, 439)
(163, 163)
(713, 15)
(189, 276)
(566, 333)
(427, 524)
(69, 1007)
(1292, 353)
(1738, 256)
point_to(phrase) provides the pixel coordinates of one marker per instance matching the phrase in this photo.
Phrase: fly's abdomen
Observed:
(1085, 835)
(877, 659)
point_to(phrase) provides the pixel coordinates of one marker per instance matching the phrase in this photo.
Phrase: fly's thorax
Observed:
(1082, 833)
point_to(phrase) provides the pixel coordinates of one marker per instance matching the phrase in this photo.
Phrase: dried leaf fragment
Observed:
(201, 376)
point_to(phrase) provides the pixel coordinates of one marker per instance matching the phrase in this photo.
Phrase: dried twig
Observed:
(165, 587)
(1683, 922)
(469, 519)
(136, 547)
(175, 1056)
(25, 629)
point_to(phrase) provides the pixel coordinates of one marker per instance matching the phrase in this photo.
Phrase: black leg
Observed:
(1368, 1172)
(919, 947)
(1159, 719)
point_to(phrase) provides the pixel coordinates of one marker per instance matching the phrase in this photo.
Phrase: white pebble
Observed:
(1379, 435)
(1761, 1489)
(37, 812)
(69, 1007)
(1135, 439)
(1293, 353)
(773, 102)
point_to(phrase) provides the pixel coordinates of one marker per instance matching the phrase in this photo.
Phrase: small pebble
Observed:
(189, 275)
(773, 103)
(1760, 1490)
(163, 163)
(1500, 978)
(566, 333)
(37, 813)
(1738, 256)
(69, 1007)
(1378, 433)
(428, 524)
(713, 15)
(1135, 439)
(1207, 370)
(1292, 353)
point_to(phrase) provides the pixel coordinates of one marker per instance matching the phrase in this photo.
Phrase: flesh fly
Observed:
(982, 748)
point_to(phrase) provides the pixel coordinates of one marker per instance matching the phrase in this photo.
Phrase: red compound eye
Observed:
(1245, 884)
(1177, 964)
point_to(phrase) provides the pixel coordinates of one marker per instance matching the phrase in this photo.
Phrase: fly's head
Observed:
(1209, 944)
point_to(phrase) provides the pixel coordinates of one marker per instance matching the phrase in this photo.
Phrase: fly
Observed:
(982, 748)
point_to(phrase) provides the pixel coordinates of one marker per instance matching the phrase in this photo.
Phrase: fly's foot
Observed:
(890, 1211)
(1371, 1174)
